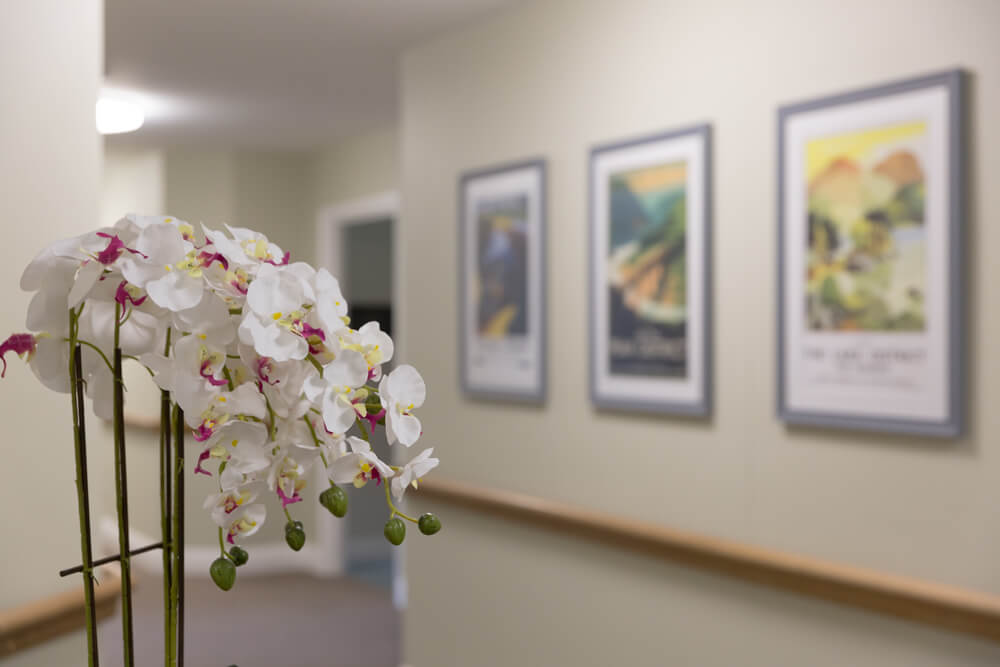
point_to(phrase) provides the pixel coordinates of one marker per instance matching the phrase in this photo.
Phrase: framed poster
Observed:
(501, 219)
(650, 279)
(870, 245)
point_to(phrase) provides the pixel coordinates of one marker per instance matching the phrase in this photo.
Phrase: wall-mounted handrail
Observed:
(933, 604)
(36, 622)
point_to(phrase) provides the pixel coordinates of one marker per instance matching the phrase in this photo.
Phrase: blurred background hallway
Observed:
(343, 130)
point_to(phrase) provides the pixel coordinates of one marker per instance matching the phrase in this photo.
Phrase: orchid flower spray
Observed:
(257, 363)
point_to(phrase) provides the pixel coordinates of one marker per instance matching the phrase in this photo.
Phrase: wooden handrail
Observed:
(36, 622)
(938, 605)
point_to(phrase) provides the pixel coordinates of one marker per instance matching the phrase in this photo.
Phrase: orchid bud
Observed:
(239, 556)
(334, 500)
(395, 531)
(373, 404)
(429, 523)
(223, 573)
(295, 537)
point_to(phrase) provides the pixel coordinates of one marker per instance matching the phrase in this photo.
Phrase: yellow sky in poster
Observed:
(660, 177)
(856, 145)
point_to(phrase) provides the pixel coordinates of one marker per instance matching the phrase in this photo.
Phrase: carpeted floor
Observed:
(279, 621)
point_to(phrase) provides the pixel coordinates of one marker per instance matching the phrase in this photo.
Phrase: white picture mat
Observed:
(915, 391)
(690, 149)
(513, 364)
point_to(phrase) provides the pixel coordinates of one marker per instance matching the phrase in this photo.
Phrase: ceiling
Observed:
(290, 74)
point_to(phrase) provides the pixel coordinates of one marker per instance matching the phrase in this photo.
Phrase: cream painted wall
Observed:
(49, 172)
(356, 168)
(552, 78)
(132, 181)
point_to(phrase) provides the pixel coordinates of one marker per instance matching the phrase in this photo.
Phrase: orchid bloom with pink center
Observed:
(287, 479)
(411, 473)
(129, 294)
(359, 466)
(204, 456)
(372, 343)
(244, 523)
(340, 391)
(401, 392)
(315, 338)
(265, 367)
(115, 249)
(373, 418)
(22, 344)
(195, 355)
(222, 505)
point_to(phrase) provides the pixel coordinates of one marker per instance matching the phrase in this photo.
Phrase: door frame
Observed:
(331, 222)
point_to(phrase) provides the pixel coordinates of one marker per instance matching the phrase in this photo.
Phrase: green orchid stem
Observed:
(121, 497)
(166, 508)
(222, 544)
(312, 432)
(287, 515)
(395, 510)
(177, 585)
(272, 426)
(361, 427)
(76, 341)
(315, 362)
(82, 490)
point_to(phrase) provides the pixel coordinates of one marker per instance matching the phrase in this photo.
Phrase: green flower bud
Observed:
(395, 531)
(239, 556)
(334, 500)
(429, 524)
(373, 404)
(295, 537)
(223, 573)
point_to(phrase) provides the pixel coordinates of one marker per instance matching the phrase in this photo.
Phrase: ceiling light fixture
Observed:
(115, 116)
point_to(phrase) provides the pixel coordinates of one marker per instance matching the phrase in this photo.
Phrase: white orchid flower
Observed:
(206, 408)
(331, 306)
(168, 266)
(209, 321)
(402, 391)
(359, 466)
(240, 444)
(276, 301)
(47, 357)
(245, 523)
(222, 505)
(247, 248)
(339, 392)
(374, 345)
(411, 473)
(192, 354)
(287, 478)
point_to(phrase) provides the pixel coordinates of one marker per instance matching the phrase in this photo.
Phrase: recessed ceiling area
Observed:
(287, 74)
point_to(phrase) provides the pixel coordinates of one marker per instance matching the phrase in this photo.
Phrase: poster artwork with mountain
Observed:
(647, 295)
(866, 262)
(870, 226)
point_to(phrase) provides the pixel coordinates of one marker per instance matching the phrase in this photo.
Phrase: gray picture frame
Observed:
(702, 407)
(539, 394)
(954, 83)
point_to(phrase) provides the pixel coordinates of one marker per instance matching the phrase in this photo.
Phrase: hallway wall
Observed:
(50, 163)
(553, 78)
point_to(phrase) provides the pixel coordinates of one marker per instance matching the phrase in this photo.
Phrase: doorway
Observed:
(356, 244)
